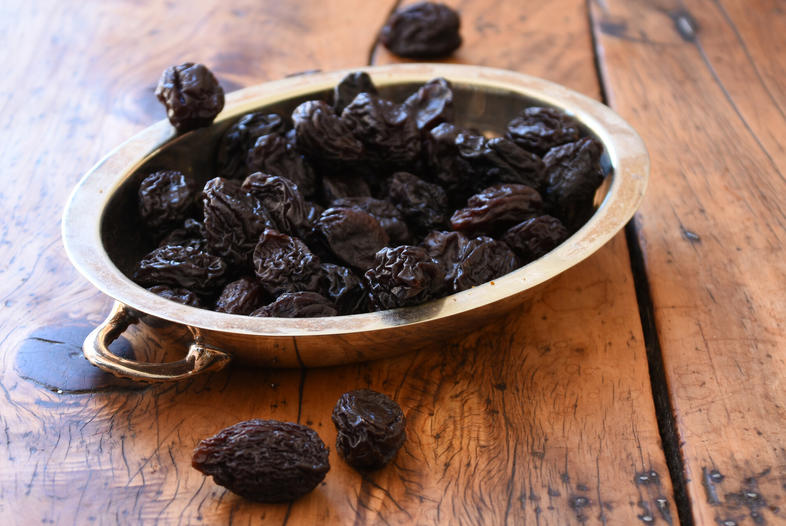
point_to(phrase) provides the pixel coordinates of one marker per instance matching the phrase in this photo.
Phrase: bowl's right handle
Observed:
(200, 358)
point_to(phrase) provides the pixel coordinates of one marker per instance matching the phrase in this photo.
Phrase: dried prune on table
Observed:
(273, 154)
(423, 204)
(192, 234)
(385, 212)
(340, 186)
(184, 267)
(234, 219)
(446, 249)
(240, 297)
(501, 161)
(353, 235)
(496, 208)
(344, 288)
(191, 94)
(282, 200)
(422, 30)
(573, 174)
(240, 138)
(539, 129)
(297, 305)
(349, 88)
(321, 135)
(403, 276)
(264, 460)
(535, 237)
(178, 295)
(166, 198)
(370, 428)
(431, 104)
(446, 166)
(285, 264)
(482, 259)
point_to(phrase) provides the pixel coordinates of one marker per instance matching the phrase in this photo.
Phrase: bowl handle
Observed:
(200, 358)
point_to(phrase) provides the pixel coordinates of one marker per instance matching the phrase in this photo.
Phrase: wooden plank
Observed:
(703, 83)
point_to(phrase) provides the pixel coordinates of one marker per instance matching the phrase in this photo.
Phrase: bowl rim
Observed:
(83, 215)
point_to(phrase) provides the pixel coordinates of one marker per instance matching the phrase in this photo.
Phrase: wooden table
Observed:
(645, 386)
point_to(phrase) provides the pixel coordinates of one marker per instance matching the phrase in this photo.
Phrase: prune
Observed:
(389, 217)
(282, 201)
(423, 204)
(573, 174)
(285, 264)
(264, 460)
(353, 235)
(191, 234)
(166, 198)
(349, 88)
(344, 288)
(273, 154)
(321, 134)
(423, 30)
(501, 161)
(184, 267)
(340, 186)
(234, 219)
(446, 166)
(182, 296)
(497, 208)
(370, 428)
(240, 297)
(540, 129)
(240, 138)
(297, 305)
(191, 94)
(403, 276)
(431, 104)
(535, 237)
(482, 260)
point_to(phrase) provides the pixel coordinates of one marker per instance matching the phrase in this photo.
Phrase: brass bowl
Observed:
(100, 229)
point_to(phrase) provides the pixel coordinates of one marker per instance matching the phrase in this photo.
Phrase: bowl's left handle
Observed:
(200, 358)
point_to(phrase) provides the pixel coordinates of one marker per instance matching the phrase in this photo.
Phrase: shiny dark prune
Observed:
(446, 166)
(389, 217)
(273, 154)
(297, 305)
(320, 134)
(496, 208)
(240, 297)
(504, 162)
(540, 129)
(178, 295)
(353, 235)
(403, 276)
(431, 104)
(370, 428)
(240, 138)
(535, 237)
(573, 174)
(282, 200)
(264, 460)
(340, 186)
(166, 198)
(183, 267)
(192, 234)
(423, 204)
(344, 288)
(349, 88)
(422, 30)
(191, 94)
(446, 249)
(285, 264)
(483, 259)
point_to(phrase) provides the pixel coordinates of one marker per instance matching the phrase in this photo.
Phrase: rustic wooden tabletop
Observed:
(646, 385)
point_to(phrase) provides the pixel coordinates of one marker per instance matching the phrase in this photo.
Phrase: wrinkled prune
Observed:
(191, 234)
(353, 235)
(403, 276)
(385, 212)
(240, 138)
(483, 259)
(504, 162)
(535, 237)
(285, 264)
(431, 104)
(182, 296)
(282, 201)
(264, 460)
(297, 305)
(349, 88)
(240, 297)
(273, 154)
(370, 428)
(573, 174)
(166, 198)
(340, 186)
(423, 204)
(540, 129)
(184, 267)
(497, 208)
(423, 30)
(322, 135)
(446, 166)
(191, 94)
(344, 288)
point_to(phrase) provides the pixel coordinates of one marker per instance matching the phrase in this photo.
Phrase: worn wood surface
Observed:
(543, 418)
(704, 83)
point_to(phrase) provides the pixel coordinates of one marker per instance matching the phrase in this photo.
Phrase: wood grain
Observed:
(702, 81)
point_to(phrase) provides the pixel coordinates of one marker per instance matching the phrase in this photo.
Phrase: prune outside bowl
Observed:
(101, 231)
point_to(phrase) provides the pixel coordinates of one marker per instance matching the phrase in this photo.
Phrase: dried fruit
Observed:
(535, 237)
(482, 259)
(403, 276)
(540, 129)
(285, 264)
(240, 138)
(282, 201)
(322, 135)
(273, 154)
(182, 296)
(389, 217)
(181, 266)
(496, 208)
(353, 235)
(191, 94)
(423, 204)
(297, 305)
(166, 198)
(573, 174)
(349, 88)
(431, 104)
(344, 288)
(423, 30)
(240, 297)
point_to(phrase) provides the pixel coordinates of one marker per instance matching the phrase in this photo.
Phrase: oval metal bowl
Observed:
(101, 232)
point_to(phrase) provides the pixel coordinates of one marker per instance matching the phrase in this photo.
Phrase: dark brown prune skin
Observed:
(191, 234)
(539, 129)
(385, 212)
(340, 186)
(191, 94)
(353, 235)
(166, 198)
(423, 204)
(535, 237)
(264, 460)
(432, 104)
(349, 88)
(344, 288)
(182, 296)
(320, 134)
(285, 264)
(240, 297)
(273, 154)
(183, 267)
(573, 174)
(447, 166)
(403, 276)
(423, 30)
(240, 138)
(370, 428)
(504, 162)
(496, 208)
(446, 249)
(282, 200)
(298, 305)
(482, 260)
